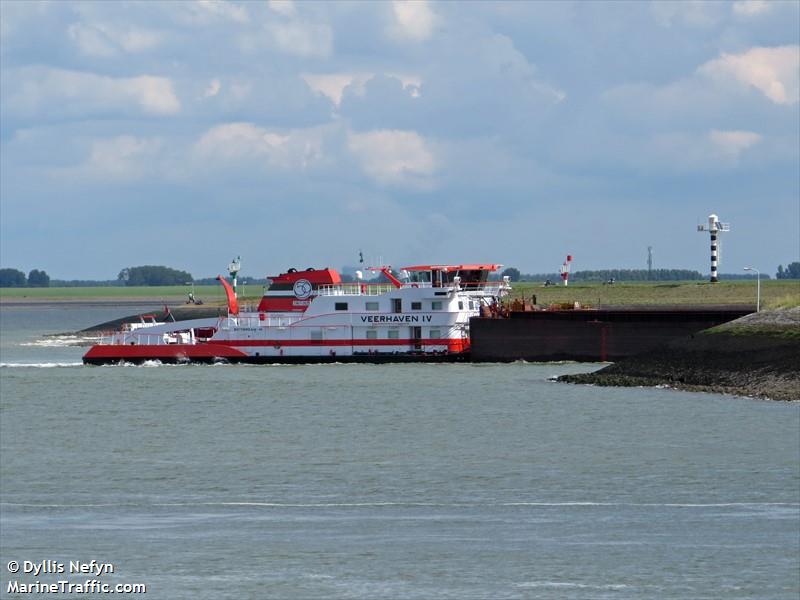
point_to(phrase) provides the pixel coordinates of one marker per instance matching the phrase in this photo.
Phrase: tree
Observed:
(511, 273)
(792, 271)
(12, 278)
(153, 275)
(37, 278)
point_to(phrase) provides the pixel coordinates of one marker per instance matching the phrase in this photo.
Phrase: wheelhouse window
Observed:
(416, 306)
(436, 305)
(372, 305)
(340, 306)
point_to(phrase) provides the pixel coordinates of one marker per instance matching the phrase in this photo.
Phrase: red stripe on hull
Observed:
(317, 343)
(170, 352)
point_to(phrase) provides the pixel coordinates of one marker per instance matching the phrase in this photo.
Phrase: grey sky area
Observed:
(295, 134)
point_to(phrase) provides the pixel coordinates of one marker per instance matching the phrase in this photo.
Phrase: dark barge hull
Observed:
(591, 335)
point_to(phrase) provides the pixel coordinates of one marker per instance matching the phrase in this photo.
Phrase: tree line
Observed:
(792, 271)
(152, 275)
(17, 278)
(604, 275)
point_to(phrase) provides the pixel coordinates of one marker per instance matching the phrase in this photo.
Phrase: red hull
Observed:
(102, 354)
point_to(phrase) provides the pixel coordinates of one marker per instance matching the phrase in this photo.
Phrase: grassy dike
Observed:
(774, 293)
(757, 355)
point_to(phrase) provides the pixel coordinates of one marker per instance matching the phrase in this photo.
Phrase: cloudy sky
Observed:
(295, 134)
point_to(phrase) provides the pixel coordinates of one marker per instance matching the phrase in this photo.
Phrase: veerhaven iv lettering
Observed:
(395, 319)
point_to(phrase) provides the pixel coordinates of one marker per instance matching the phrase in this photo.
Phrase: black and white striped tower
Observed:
(714, 228)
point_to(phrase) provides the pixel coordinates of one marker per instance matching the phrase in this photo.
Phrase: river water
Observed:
(392, 481)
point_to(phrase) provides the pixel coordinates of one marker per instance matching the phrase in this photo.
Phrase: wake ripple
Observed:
(41, 365)
(410, 504)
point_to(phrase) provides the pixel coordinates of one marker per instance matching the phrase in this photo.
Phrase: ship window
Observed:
(436, 305)
(372, 334)
(340, 306)
(460, 305)
(394, 334)
(435, 334)
(471, 305)
(397, 305)
(316, 334)
(416, 306)
(372, 306)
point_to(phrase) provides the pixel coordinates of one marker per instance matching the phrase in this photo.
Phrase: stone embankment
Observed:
(757, 355)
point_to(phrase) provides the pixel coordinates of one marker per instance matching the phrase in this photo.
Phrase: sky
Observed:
(295, 134)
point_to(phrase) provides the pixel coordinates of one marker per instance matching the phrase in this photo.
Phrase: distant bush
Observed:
(37, 278)
(792, 271)
(12, 278)
(153, 275)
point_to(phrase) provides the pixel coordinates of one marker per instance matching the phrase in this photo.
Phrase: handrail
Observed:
(378, 289)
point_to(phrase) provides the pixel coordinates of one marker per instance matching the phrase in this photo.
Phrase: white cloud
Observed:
(299, 38)
(733, 143)
(246, 142)
(213, 88)
(210, 11)
(91, 41)
(283, 7)
(40, 91)
(775, 72)
(332, 85)
(122, 158)
(102, 40)
(394, 157)
(693, 13)
(414, 20)
(154, 94)
(750, 8)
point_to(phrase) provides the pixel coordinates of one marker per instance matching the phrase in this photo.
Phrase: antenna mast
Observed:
(233, 269)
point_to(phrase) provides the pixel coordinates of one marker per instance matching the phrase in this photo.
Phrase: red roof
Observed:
(449, 268)
(315, 276)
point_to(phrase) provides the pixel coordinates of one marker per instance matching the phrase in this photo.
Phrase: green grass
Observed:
(789, 332)
(774, 293)
(207, 293)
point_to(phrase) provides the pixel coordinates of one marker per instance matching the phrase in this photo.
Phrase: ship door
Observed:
(416, 338)
(397, 305)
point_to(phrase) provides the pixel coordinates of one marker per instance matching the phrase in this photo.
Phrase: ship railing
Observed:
(355, 289)
(491, 288)
(261, 320)
(128, 338)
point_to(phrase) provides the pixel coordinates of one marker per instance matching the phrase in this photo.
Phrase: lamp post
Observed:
(758, 287)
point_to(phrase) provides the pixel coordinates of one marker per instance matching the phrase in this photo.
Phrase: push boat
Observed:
(313, 316)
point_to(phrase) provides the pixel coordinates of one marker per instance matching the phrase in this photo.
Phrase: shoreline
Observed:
(755, 357)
